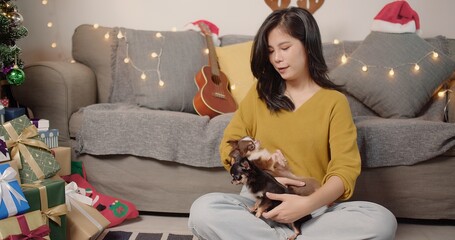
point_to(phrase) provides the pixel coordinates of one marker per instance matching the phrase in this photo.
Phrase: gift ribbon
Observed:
(7, 191)
(53, 213)
(37, 234)
(18, 144)
(72, 199)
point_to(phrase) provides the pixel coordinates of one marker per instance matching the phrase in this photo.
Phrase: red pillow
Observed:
(113, 209)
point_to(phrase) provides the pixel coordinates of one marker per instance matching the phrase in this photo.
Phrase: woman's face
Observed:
(287, 55)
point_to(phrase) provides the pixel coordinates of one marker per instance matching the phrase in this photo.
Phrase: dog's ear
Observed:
(234, 143)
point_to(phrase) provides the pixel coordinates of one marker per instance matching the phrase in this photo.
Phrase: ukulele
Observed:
(213, 96)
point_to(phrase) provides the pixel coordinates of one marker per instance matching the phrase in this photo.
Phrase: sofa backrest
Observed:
(96, 48)
(91, 47)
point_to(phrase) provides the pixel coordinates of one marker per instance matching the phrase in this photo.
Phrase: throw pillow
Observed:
(234, 61)
(404, 93)
(160, 67)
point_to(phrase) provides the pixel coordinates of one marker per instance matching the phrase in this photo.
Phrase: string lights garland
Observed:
(390, 69)
(153, 55)
(156, 55)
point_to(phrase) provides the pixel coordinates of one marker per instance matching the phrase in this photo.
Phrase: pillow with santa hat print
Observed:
(394, 71)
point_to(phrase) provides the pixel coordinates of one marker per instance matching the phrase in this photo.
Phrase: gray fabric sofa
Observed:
(162, 157)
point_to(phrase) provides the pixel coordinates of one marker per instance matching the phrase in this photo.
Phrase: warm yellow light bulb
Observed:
(416, 67)
(206, 51)
(54, 45)
(107, 35)
(73, 61)
(143, 76)
(391, 72)
(158, 35)
(344, 59)
(441, 93)
(336, 41)
(364, 68)
(44, 2)
(435, 54)
(154, 55)
(161, 83)
(96, 26)
(50, 24)
(126, 60)
(119, 35)
(233, 87)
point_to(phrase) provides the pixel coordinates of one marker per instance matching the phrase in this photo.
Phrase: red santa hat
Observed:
(397, 17)
(212, 27)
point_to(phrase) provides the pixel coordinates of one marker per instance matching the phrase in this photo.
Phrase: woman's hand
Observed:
(292, 208)
(290, 182)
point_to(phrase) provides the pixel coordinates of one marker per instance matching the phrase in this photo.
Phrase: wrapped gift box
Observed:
(4, 153)
(63, 157)
(13, 112)
(13, 164)
(48, 195)
(2, 114)
(34, 158)
(26, 226)
(12, 198)
(41, 124)
(49, 137)
(84, 221)
(4, 102)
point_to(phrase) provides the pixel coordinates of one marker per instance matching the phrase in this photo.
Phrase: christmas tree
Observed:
(11, 30)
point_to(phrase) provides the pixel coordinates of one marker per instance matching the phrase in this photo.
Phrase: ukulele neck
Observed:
(213, 59)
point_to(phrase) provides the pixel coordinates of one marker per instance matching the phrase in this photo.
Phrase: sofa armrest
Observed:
(55, 90)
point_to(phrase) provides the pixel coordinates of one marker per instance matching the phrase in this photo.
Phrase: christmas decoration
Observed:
(11, 30)
(397, 17)
(15, 76)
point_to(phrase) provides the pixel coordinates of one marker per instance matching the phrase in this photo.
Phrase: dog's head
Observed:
(243, 147)
(240, 171)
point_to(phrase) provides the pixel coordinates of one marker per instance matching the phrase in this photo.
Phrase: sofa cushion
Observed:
(404, 94)
(190, 139)
(164, 81)
(392, 142)
(234, 61)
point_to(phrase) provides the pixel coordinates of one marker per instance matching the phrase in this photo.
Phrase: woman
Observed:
(297, 113)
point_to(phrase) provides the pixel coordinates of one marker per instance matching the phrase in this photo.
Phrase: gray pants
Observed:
(226, 216)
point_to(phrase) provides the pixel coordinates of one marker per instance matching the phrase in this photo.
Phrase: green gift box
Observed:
(33, 157)
(48, 195)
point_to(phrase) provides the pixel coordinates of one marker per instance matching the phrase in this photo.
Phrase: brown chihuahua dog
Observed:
(258, 183)
(251, 149)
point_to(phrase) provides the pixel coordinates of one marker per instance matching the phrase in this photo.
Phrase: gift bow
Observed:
(55, 213)
(7, 191)
(48, 213)
(18, 143)
(37, 234)
(72, 199)
(72, 195)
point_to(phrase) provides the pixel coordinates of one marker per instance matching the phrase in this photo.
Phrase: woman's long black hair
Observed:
(300, 24)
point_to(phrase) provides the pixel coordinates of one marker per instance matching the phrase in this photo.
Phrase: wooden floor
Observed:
(407, 230)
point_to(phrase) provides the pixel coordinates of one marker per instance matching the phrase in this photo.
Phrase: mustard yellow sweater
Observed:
(318, 139)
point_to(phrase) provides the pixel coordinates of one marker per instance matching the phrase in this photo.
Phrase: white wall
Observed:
(342, 19)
